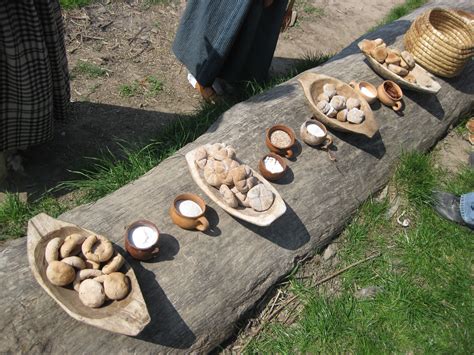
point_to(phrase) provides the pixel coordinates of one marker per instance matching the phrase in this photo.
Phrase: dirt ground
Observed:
(126, 83)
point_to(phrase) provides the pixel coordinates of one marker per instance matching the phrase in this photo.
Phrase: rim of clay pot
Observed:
(395, 86)
(280, 160)
(286, 129)
(142, 222)
(192, 197)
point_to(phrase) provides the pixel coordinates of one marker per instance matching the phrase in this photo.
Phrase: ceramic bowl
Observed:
(390, 94)
(141, 253)
(269, 175)
(309, 139)
(367, 86)
(283, 151)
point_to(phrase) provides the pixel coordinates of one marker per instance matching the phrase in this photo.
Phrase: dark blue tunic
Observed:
(230, 39)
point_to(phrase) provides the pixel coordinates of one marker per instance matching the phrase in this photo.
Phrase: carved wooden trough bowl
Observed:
(313, 83)
(128, 316)
(428, 84)
(247, 214)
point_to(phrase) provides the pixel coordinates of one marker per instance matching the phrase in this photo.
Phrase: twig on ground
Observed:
(370, 257)
(275, 301)
(135, 36)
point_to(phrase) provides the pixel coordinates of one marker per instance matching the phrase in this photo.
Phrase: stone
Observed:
(368, 293)
(329, 252)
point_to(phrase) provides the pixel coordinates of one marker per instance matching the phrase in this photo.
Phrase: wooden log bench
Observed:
(201, 284)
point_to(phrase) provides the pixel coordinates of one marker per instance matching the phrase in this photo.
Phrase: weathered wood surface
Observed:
(203, 283)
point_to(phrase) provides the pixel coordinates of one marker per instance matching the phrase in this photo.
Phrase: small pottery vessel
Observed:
(283, 151)
(312, 140)
(368, 87)
(268, 174)
(390, 94)
(198, 222)
(141, 253)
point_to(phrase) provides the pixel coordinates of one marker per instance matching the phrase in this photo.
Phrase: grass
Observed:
(155, 86)
(424, 273)
(129, 90)
(400, 11)
(87, 69)
(151, 86)
(72, 4)
(14, 213)
(313, 10)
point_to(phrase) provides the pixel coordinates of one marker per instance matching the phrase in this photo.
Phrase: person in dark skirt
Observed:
(34, 79)
(232, 40)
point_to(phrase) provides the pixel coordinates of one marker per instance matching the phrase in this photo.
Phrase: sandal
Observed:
(289, 19)
(207, 92)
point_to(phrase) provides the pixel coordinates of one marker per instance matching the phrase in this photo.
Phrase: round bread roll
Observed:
(260, 198)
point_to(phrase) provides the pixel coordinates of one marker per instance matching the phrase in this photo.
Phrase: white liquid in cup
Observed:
(272, 165)
(366, 92)
(143, 237)
(188, 208)
(315, 130)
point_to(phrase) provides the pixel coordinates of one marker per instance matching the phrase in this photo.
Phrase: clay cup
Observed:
(141, 253)
(199, 222)
(390, 94)
(268, 174)
(309, 139)
(364, 84)
(283, 151)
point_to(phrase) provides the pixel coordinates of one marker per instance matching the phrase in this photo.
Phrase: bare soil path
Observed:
(126, 83)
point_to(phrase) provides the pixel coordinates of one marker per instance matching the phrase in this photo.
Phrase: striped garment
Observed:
(228, 39)
(34, 79)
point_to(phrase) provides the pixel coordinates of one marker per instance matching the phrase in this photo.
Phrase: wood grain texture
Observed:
(201, 284)
(128, 316)
(261, 219)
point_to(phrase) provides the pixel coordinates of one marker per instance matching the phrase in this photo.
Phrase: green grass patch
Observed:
(400, 11)
(424, 276)
(416, 177)
(310, 60)
(150, 86)
(155, 86)
(14, 213)
(72, 4)
(129, 90)
(87, 69)
(313, 10)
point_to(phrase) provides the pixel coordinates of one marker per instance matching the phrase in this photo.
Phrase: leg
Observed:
(3, 166)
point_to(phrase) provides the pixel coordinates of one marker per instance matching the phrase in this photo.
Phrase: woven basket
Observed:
(441, 41)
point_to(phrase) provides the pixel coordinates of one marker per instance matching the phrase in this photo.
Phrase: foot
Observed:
(207, 93)
(447, 206)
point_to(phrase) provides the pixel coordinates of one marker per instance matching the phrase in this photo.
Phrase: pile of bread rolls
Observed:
(235, 181)
(337, 106)
(398, 62)
(91, 264)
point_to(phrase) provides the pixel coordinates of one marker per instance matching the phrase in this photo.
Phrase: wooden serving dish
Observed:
(418, 72)
(262, 219)
(313, 83)
(128, 316)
